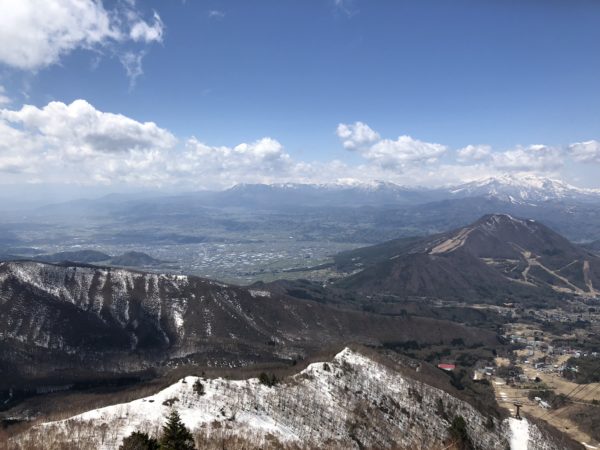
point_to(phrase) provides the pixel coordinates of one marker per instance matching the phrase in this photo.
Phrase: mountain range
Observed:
(524, 189)
(88, 319)
(497, 258)
(289, 219)
(509, 188)
(72, 324)
(527, 189)
(65, 323)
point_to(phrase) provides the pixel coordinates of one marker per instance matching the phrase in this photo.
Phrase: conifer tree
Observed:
(139, 441)
(175, 435)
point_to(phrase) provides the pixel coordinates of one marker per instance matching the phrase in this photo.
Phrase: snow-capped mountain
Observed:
(352, 401)
(340, 193)
(517, 189)
(523, 189)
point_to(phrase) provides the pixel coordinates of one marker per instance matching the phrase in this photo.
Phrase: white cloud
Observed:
(77, 143)
(77, 133)
(265, 155)
(36, 34)
(262, 161)
(141, 31)
(404, 151)
(387, 153)
(588, 151)
(16, 150)
(357, 135)
(534, 158)
(473, 153)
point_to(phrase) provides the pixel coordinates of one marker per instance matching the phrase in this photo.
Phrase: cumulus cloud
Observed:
(79, 129)
(357, 135)
(16, 150)
(264, 156)
(473, 153)
(404, 151)
(389, 154)
(534, 158)
(77, 143)
(36, 34)
(588, 151)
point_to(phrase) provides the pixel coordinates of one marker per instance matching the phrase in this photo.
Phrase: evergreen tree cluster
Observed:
(198, 387)
(268, 380)
(175, 436)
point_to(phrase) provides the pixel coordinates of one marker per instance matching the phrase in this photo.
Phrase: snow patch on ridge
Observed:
(352, 395)
(519, 434)
(257, 293)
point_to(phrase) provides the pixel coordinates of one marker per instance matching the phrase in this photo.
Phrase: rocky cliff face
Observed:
(349, 402)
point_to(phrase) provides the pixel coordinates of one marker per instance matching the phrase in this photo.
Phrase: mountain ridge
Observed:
(378, 403)
(498, 256)
(87, 319)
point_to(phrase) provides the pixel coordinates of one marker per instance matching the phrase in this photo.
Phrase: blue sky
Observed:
(504, 76)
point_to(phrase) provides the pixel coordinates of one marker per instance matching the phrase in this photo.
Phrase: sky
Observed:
(121, 95)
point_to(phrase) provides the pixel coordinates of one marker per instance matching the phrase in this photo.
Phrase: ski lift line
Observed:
(578, 388)
(561, 412)
(584, 385)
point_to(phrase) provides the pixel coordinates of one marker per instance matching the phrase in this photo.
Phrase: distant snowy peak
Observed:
(523, 189)
(342, 192)
(516, 189)
(339, 184)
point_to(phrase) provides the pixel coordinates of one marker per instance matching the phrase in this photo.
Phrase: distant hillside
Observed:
(497, 258)
(134, 259)
(367, 256)
(128, 259)
(69, 322)
(82, 256)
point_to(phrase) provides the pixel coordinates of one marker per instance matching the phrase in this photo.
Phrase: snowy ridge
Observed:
(494, 221)
(523, 189)
(350, 402)
(102, 291)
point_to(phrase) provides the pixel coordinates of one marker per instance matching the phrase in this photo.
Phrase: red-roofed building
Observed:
(448, 367)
